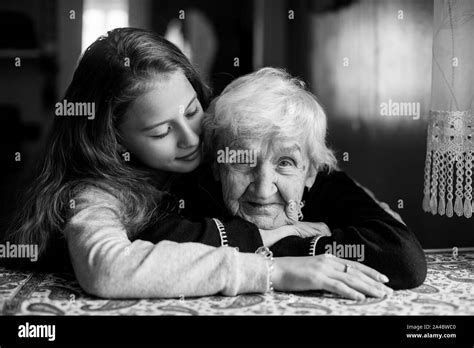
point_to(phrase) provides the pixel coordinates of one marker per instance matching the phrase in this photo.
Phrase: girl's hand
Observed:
(326, 272)
(301, 229)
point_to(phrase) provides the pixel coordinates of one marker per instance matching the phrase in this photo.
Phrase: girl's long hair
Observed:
(112, 73)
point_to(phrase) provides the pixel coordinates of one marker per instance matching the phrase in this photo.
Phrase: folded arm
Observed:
(356, 218)
(108, 264)
(234, 232)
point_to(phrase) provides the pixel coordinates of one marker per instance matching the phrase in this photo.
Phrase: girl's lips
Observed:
(192, 156)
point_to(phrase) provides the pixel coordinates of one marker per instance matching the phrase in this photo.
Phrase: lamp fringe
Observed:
(448, 164)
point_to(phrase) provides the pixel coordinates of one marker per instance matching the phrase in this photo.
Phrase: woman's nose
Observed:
(188, 137)
(264, 185)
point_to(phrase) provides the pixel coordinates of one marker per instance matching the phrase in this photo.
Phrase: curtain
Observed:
(450, 145)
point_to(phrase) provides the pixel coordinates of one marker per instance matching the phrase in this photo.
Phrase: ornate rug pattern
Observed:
(448, 290)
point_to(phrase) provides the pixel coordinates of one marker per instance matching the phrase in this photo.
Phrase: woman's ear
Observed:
(311, 177)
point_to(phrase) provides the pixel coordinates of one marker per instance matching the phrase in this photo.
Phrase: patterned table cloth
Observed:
(448, 290)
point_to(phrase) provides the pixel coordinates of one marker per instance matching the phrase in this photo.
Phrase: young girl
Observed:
(104, 180)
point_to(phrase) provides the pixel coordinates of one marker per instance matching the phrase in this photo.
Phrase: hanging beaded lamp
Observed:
(450, 143)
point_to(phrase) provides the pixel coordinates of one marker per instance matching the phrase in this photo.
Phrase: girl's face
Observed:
(162, 127)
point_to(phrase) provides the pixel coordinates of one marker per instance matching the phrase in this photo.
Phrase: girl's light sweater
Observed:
(107, 264)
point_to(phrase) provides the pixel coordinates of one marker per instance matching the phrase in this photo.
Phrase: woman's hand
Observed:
(326, 272)
(305, 229)
(301, 229)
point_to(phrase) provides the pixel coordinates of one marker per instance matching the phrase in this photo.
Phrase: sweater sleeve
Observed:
(355, 218)
(297, 246)
(236, 233)
(107, 264)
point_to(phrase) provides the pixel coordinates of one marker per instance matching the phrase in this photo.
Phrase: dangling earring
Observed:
(294, 210)
(300, 213)
(292, 213)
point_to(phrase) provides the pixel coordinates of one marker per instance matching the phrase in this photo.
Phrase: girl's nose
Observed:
(188, 138)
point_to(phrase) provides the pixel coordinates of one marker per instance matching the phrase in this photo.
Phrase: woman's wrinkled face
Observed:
(162, 127)
(260, 193)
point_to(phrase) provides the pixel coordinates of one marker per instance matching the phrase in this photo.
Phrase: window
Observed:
(99, 16)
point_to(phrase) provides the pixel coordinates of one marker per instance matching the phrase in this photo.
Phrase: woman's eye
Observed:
(241, 167)
(287, 162)
(241, 164)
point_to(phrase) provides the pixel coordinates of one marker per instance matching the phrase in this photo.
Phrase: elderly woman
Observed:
(265, 135)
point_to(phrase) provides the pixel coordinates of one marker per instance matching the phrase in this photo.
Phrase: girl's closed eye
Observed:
(161, 131)
(193, 113)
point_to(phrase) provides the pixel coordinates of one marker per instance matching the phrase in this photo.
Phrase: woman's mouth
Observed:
(191, 156)
(261, 208)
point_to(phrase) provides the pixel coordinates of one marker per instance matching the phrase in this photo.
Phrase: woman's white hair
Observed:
(269, 104)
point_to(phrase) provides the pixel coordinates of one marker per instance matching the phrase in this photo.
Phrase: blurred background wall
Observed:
(355, 55)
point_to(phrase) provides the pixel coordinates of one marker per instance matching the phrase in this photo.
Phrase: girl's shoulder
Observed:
(87, 195)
